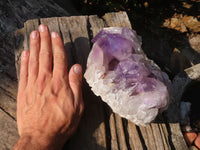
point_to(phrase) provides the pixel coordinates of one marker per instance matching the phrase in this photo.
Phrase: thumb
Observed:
(75, 82)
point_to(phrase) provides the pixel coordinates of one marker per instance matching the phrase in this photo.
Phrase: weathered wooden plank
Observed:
(8, 131)
(144, 136)
(151, 139)
(8, 85)
(97, 24)
(157, 136)
(52, 24)
(120, 133)
(177, 137)
(134, 138)
(119, 19)
(164, 134)
(114, 140)
(7, 103)
(8, 94)
(79, 35)
(91, 133)
(29, 25)
(64, 29)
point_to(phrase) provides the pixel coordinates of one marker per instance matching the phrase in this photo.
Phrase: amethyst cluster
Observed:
(130, 83)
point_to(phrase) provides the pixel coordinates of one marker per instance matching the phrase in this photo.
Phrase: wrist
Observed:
(30, 142)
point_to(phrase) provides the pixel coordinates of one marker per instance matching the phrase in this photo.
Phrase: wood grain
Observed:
(134, 138)
(8, 131)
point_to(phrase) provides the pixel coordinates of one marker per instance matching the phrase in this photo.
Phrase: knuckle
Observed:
(60, 58)
(57, 85)
(33, 61)
(45, 53)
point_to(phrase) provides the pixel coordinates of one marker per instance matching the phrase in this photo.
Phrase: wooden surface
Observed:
(100, 128)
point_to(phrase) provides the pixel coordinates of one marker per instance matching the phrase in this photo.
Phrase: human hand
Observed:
(49, 102)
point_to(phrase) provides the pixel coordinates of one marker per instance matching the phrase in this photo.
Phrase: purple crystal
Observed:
(119, 71)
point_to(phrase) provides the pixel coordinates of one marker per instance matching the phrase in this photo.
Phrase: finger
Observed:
(24, 70)
(60, 58)
(75, 82)
(45, 55)
(34, 56)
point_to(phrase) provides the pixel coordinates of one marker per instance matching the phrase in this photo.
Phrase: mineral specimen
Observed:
(119, 71)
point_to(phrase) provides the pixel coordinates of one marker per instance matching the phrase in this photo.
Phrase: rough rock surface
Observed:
(119, 72)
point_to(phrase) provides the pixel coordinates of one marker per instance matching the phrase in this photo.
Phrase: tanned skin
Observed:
(49, 101)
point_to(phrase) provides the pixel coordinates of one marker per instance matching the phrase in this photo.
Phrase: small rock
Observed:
(195, 42)
(175, 23)
(166, 23)
(189, 137)
(187, 5)
(182, 27)
(186, 128)
(197, 141)
(191, 23)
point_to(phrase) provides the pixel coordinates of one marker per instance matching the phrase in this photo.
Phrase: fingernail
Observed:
(34, 35)
(77, 69)
(54, 34)
(42, 28)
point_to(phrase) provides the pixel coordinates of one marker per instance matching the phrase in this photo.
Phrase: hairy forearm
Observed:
(30, 143)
